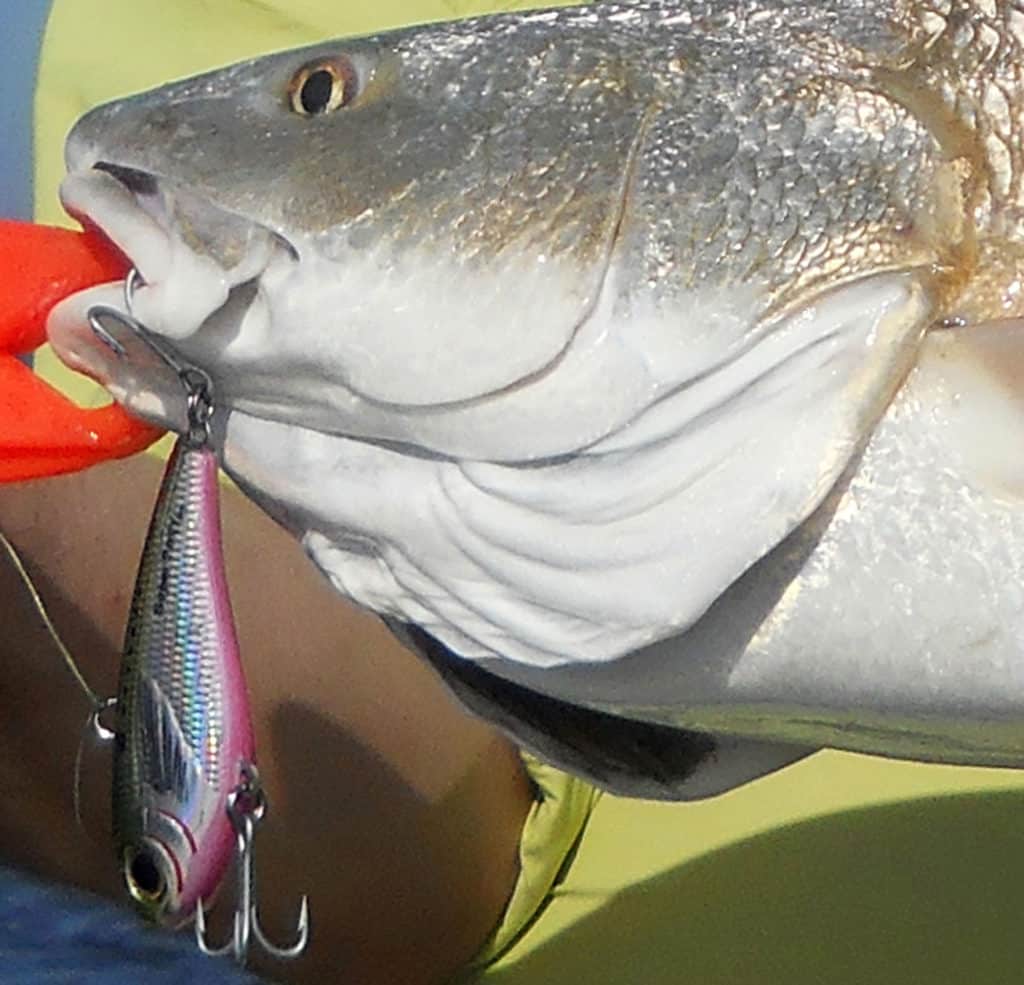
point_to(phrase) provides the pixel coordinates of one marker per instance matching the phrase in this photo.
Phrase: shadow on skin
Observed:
(928, 890)
(388, 899)
(397, 812)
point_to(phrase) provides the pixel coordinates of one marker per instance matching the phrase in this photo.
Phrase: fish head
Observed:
(540, 330)
(345, 204)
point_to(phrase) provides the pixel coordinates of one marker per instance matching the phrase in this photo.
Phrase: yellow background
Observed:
(839, 870)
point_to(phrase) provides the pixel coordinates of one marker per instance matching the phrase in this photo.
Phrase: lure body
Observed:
(184, 737)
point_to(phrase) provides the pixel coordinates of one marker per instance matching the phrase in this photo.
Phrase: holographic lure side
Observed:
(183, 728)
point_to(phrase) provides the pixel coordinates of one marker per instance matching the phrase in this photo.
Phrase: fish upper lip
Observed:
(127, 205)
(108, 195)
(98, 199)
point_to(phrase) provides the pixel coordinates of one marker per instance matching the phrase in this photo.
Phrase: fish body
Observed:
(183, 733)
(616, 355)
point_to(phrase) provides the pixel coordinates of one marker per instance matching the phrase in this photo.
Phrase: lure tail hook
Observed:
(246, 806)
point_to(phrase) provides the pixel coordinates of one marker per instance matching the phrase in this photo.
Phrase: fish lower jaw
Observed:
(586, 557)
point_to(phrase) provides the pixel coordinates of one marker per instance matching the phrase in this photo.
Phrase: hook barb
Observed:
(294, 949)
(203, 944)
(246, 806)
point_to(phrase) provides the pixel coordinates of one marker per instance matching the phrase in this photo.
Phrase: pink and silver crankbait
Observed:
(186, 794)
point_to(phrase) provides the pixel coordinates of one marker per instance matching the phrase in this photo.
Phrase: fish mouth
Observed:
(428, 343)
(173, 237)
(197, 266)
(417, 316)
(225, 292)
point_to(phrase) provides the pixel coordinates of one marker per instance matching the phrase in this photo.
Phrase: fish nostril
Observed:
(139, 182)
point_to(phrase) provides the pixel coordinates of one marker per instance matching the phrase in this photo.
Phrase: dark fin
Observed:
(621, 755)
(168, 764)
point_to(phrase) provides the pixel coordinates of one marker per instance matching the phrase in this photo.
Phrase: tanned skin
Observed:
(397, 812)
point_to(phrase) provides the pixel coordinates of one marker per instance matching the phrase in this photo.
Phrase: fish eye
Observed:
(144, 876)
(322, 86)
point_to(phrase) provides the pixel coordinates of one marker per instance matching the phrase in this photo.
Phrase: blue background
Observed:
(51, 935)
(21, 27)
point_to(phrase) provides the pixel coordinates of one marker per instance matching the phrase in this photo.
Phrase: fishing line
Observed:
(95, 700)
(99, 705)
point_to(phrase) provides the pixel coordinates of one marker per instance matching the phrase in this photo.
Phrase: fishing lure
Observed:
(187, 796)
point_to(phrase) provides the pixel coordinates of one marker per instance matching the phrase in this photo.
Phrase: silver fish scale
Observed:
(751, 135)
(766, 164)
(757, 215)
(775, 145)
(718, 146)
(536, 151)
(170, 697)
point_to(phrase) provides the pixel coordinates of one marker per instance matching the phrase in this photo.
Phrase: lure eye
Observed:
(323, 86)
(144, 876)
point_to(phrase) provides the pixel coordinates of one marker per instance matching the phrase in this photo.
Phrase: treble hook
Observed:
(246, 806)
